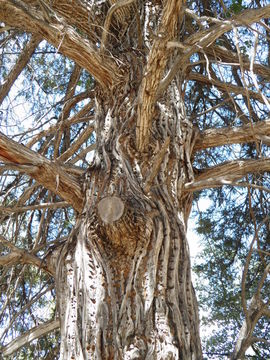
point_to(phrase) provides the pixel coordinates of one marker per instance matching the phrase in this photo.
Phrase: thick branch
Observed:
(49, 174)
(233, 135)
(29, 336)
(227, 173)
(66, 39)
(156, 64)
(19, 66)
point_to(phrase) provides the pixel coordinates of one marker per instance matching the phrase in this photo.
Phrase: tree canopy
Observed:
(56, 56)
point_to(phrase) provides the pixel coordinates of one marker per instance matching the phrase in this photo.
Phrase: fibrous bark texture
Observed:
(123, 277)
(124, 282)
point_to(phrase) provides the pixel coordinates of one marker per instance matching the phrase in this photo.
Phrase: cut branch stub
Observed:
(110, 209)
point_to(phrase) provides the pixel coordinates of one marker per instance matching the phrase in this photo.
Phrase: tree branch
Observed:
(76, 144)
(234, 135)
(117, 5)
(21, 256)
(19, 66)
(27, 306)
(65, 39)
(203, 39)
(226, 87)
(220, 52)
(51, 175)
(80, 116)
(154, 70)
(74, 78)
(29, 336)
(16, 209)
(227, 173)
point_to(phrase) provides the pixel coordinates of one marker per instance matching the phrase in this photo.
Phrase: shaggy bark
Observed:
(124, 284)
(123, 278)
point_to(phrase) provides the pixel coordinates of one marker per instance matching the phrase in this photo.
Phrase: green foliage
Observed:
(226, 229)
(46, 347)
(236, 7)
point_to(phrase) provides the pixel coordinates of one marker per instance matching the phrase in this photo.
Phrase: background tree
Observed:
(113, 114)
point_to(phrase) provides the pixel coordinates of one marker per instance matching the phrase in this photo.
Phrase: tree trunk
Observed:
(123, 280)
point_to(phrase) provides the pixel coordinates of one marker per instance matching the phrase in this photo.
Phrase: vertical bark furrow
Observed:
(121, 302)
(134, 294)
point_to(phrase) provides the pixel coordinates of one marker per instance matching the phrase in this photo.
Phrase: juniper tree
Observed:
(134, 107)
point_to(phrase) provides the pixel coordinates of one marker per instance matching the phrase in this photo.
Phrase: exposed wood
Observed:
(50, 174)
(29, 336)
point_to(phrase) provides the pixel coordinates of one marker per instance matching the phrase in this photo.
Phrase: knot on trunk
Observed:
(120, 224)
(110, 209)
